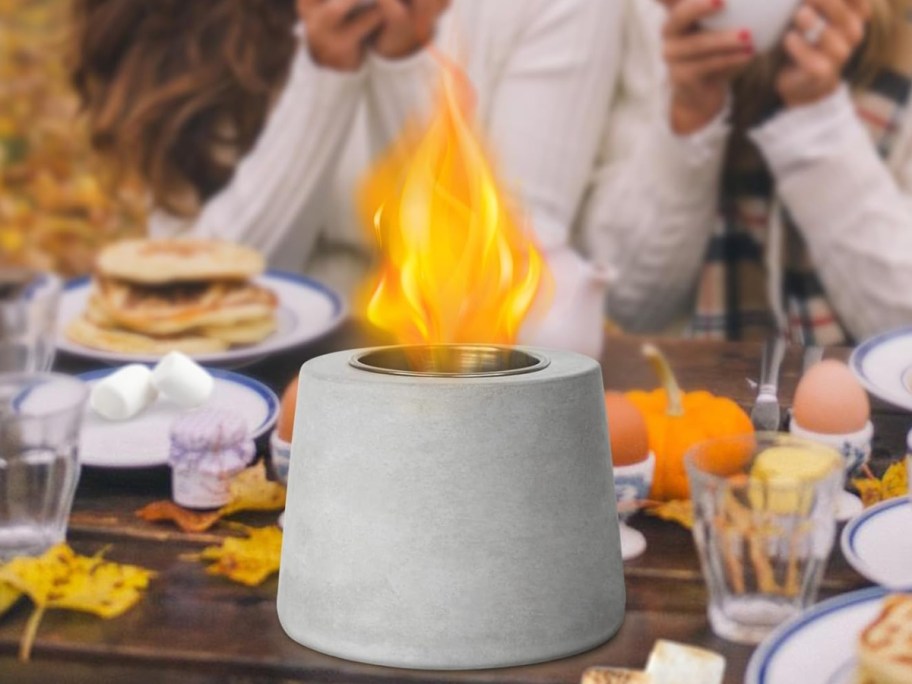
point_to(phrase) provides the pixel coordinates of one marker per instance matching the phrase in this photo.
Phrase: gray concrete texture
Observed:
(451, 523)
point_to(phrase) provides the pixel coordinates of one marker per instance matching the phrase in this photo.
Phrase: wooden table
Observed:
(191, 627)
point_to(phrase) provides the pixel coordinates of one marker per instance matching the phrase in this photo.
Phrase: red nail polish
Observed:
(745, 36)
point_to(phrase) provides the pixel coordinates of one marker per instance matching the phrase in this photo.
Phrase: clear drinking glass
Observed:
(764, 509)
(40, 419)
(28, 318)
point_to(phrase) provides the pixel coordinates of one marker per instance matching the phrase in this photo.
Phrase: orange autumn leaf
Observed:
(185, 519)
(247, 560)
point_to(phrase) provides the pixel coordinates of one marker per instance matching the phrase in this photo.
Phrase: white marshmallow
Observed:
(182, 380)
(124, 393)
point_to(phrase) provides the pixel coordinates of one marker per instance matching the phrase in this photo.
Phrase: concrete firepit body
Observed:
(451, 508)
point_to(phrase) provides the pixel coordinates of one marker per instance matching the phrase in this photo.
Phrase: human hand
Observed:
(338, 31)
(408, 26)
(701, 63)
(824, 37)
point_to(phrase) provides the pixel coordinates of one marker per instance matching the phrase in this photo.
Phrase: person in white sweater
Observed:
(738, 197)
(543, 74)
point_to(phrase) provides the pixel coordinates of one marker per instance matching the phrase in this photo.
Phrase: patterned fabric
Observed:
(733, 293)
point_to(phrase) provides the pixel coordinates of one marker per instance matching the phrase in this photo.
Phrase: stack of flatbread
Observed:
(189, 295)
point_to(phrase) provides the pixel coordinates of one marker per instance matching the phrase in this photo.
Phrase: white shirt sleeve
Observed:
(280, 185)
(653, 206)
(855, 215)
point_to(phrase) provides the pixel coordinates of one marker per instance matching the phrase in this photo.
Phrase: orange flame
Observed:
(456, 265)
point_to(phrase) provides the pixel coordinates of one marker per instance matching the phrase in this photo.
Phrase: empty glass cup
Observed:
(764, 509)
(40, 419)
(28, 317)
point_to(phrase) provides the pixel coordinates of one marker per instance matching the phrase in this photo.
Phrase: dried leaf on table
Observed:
(247, 560)
(251, 490)
(187, 520)
(8, 597)
(679, 511)
(893, 484)
(60, 579)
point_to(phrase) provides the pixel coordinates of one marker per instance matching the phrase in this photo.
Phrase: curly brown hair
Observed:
(177, 90)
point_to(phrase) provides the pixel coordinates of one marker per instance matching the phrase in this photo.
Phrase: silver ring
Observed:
(813, 35)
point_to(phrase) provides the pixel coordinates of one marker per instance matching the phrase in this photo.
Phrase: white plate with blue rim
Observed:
(818, 646)
(307, 310)
(871, 544)
(883, 364)
(144, 440)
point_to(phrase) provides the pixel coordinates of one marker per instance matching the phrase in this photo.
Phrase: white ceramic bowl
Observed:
(765, 19)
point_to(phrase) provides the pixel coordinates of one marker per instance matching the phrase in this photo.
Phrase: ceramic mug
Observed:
(765, 19)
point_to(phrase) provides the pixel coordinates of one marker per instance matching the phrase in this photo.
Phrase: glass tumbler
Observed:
(40, 419)
(764, 525)
(28, 320)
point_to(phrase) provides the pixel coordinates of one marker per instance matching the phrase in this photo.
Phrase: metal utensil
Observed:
(766, 414)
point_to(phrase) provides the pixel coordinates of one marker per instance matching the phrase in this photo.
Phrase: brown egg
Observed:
(829, 400)
(626, 429)
(285, 426)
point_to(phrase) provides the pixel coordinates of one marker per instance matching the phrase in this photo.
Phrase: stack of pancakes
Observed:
(189, 295)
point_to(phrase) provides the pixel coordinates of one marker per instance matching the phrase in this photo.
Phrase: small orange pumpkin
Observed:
(677, 420)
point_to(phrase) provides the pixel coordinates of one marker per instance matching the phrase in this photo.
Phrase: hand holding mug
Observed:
(701, 63)
(408, 25)
(338, 31)
(825, 35)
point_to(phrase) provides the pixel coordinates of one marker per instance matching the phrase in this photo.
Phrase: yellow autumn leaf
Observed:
(251, 490)
(247, 560)
(61, 579)
(679, 511)
(893, 484)
(8, 597)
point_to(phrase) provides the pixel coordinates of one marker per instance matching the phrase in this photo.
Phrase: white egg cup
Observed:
(855, 448)
(632, 484)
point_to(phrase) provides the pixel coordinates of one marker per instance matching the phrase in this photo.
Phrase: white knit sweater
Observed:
(653, 206)
(543, 72)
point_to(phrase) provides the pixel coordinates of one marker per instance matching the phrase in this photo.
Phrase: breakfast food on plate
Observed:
(829, 400)
(669, 663)
(885, 646)
(188, 295)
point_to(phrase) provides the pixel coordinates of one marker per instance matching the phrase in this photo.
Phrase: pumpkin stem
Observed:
(662, 368)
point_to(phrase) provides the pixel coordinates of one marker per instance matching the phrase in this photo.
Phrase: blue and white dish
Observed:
(143, 441)
(818, 646)
(280, 450)
(878, 543)
(632, 483)
(307, 310)
(883, 364)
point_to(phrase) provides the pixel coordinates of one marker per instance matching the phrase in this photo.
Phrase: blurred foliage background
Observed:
(58, 202)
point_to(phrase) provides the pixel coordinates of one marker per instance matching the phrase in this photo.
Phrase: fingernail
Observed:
(745, 36)
(718, 4)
